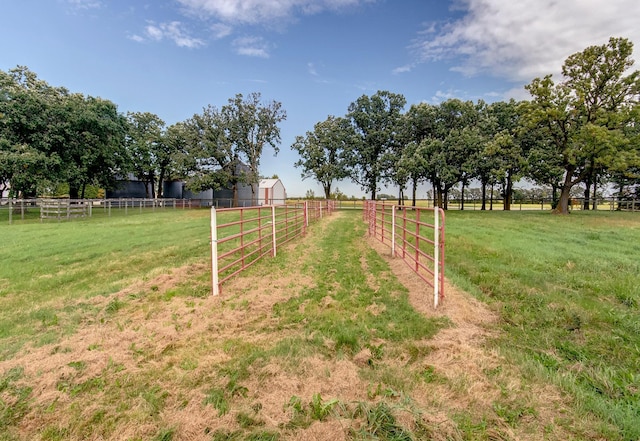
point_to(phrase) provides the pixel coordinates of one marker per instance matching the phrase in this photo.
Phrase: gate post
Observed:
(436, 256)
(273, 228)
(215, 288)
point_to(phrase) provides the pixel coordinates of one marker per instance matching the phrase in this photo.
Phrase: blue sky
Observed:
(174, 57)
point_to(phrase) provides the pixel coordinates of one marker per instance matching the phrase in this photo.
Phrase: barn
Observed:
(271, 192)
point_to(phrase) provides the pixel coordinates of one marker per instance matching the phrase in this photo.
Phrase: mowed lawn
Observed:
(565, 291)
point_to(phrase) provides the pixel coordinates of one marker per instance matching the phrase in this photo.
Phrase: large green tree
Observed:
(251, 124)
(418, 125)
(377, 123)
(221, 140)
(144, 140)
(452, 150)
(212, 159)
(29, 159)
(585, 115)
(93, 152)
(507, 147)
(322, 152)
(50, 136)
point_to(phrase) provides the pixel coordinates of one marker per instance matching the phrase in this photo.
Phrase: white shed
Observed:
(271, 192)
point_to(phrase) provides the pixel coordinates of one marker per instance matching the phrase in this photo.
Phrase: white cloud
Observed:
(311, 68)
(85, 4)
(136, 38)
(172, 31)
(221, 30)
(251, 46)
(403, 69)
(523, 39)
(263, 11)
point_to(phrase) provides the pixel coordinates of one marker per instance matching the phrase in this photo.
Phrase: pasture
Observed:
(108, 331)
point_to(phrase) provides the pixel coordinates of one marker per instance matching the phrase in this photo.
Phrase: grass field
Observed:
(568, 293)
(107, 331)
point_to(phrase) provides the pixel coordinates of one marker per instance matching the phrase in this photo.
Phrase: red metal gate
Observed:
(414, 234)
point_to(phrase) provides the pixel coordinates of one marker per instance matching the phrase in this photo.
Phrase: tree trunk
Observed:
(491, 199)
(595, 193)
(508, 192)
(84, 187)
(160, 180)
(74, 192)
(254, 200)
(462, 198)
(587, 192)
(235, 195)
(327, 191)
(565, 195)
(484, 196)
(414, 190)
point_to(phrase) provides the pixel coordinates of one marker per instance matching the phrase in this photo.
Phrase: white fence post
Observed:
(214, 253)
(436, 256)
(393, 231)
(273, 228)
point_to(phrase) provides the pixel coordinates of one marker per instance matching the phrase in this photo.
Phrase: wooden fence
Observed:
(64, 209)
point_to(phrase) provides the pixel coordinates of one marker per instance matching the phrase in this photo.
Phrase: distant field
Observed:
(108, 330)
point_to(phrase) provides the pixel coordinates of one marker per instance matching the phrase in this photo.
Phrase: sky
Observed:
(175, 57)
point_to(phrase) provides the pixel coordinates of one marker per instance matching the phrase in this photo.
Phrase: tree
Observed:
(507, 147)
(376, 121)
(29, 147)
(451, 151)
(62, 137)
(249, 126)
(211, 160)
(144, 140)
(322, 152)
(93, 151)
(418, 125)
(221, 141)
(584, 116)
(172, 146)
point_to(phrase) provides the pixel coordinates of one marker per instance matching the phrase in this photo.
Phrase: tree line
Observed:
(582, 131)
(50, 136)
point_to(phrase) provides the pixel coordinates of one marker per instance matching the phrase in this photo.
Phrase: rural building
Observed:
(271, 191)
(131, 187)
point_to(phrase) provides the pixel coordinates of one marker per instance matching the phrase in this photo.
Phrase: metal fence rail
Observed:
(242, 236)
(416, 235)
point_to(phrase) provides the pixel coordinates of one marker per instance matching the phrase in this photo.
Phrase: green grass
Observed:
(49, 270)
(568, 291)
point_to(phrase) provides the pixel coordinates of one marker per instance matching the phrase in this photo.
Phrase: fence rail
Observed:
(64, 209)
(242, 236)
(414, 234)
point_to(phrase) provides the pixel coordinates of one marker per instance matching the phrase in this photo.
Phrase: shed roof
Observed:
(268, 183)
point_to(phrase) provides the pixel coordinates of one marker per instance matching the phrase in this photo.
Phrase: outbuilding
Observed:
(271, 192)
